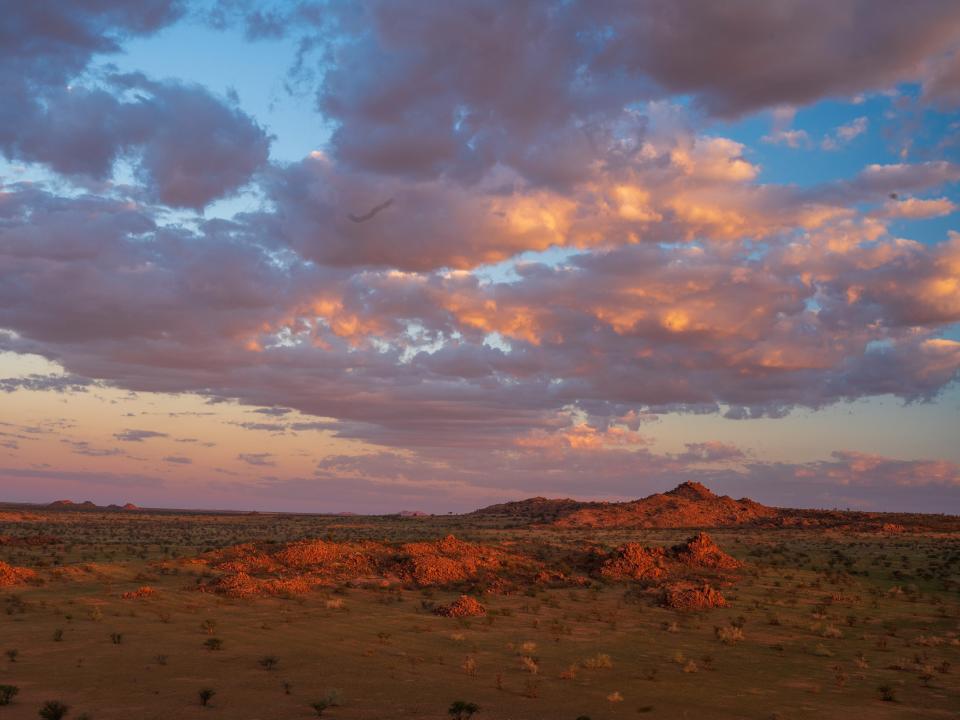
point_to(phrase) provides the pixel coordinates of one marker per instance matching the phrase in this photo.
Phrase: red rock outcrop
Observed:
(633, 561)
(251, 569)
(12, 575)
(687, 596)
(702, 552)
(446, 561)
(145, 591)
(464, 606)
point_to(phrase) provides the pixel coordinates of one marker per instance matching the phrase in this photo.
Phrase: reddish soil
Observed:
(29, 540)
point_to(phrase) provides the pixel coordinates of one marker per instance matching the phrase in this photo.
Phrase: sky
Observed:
(372, 256)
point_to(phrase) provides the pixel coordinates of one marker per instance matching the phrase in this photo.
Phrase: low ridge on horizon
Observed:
(687, 505)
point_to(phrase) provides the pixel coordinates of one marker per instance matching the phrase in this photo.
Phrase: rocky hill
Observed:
(692, 505)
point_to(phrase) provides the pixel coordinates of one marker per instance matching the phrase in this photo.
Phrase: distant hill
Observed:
(693, 505)
(88, 505)
(690, 504)
(538, 509)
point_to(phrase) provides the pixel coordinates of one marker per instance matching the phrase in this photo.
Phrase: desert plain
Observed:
(680, 605)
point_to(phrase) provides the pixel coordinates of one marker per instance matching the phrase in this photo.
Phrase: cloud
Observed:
(834, 308)
(569, 248)
(792, 138)
(138, 435)
(258, 459)
(419, 91)
(276, 411)
(918, 208)
(844, 134)
(178, 460)
(188, 146)
(83, 447)
(55, 383)
(467, 479)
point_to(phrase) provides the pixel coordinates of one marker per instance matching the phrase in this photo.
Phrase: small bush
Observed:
(831, 631)
(600, 661)
(729, 635)
(206, 695)
(461, 710)
(269, 662)
(821, 650)
(7, 693)
(53, 710)
(331, 700)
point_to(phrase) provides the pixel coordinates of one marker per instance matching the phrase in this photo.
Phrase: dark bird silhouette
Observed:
(894, 196)
(371, 213)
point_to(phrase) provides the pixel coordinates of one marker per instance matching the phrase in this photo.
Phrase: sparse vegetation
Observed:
(53, 710)
(461, 710)
(332, 699)
(8, 693)
(554, 626)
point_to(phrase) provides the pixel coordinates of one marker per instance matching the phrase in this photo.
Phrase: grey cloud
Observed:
(257, 459)
(138, 435)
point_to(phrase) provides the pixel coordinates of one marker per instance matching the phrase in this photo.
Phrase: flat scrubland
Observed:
(135, 614)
